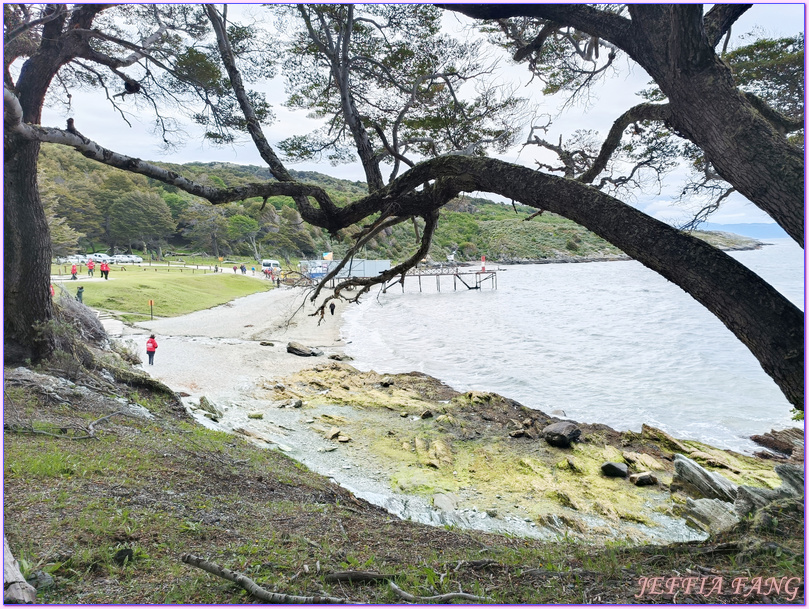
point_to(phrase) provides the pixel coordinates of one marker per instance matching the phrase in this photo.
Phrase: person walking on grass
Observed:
(90, 267)
(73, 272)
(80, 294)
(151, 347)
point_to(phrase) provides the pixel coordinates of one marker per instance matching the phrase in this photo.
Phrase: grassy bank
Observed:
(174, 293)
(148, 490)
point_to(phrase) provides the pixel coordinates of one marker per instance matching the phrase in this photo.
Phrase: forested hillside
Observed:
(92, 207)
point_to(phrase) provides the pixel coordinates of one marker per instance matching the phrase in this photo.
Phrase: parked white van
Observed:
(273, 265)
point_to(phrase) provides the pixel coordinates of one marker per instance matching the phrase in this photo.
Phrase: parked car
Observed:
(135, 259)
(72, 259)
(98, 257)
(122, 258)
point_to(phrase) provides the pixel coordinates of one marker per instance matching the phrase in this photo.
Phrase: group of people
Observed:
(243, 269)
(103, 267)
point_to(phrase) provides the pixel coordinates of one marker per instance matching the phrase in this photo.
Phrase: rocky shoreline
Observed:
(478, 460)
(420, 449)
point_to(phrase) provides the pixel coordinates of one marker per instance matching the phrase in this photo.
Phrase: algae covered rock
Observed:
(749, 499)
(662, 438)
(641, 460)
(210, 410)
(561, 434)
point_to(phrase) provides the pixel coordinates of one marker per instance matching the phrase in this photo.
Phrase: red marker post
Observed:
(151, 309)
(483, 264)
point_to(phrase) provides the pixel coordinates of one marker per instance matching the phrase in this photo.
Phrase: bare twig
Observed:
(256, 590)
(92, 425)
(533, 215)
(439, 597)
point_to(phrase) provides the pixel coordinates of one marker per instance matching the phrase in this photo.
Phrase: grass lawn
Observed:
(127, 294)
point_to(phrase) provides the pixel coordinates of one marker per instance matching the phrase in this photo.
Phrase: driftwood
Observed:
(16, 590)
(439, 597)
(256, 590)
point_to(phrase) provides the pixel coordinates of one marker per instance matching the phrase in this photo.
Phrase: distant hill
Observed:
(756, 230)
(80, 194)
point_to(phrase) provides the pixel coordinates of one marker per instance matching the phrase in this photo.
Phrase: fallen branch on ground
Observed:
(90, 432)
(256, 590)
(439, 597)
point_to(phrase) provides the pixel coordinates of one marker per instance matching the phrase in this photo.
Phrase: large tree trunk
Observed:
(27, 257)
(708, 109)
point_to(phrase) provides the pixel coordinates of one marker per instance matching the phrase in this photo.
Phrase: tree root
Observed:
(439, 597)
(256, 590)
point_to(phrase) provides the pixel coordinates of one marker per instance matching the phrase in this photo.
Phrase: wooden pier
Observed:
(472, 280)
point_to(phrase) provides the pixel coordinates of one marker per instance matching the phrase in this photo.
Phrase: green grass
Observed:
(174, 293)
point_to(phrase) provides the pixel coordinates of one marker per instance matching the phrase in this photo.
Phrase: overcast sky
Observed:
(96, 118)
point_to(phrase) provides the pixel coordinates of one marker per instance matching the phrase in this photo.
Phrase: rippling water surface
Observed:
(607, 342)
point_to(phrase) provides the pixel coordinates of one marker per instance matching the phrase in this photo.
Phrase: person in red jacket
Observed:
(73, 272)
(91, 267)
(105, 270)
(151, 347)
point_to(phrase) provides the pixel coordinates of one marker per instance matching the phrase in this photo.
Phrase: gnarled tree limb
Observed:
(253, 588)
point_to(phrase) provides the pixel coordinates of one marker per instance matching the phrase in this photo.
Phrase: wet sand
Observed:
(217, 352)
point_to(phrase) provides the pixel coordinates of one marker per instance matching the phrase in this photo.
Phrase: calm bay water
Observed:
(607, 342)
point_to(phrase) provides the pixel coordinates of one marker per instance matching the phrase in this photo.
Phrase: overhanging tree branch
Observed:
(720, 18)
(642, 112)
(596, 22)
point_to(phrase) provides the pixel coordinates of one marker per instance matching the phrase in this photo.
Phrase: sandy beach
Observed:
(217, 352)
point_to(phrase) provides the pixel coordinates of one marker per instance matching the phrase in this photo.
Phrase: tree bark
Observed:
(27, 257)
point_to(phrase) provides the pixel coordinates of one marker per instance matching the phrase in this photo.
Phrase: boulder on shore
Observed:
(561, 434)
(696, 481)
(302, 350)
(615, 470)
(643, 479)
(210, 410)
(749, 498)
(710, 515)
